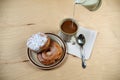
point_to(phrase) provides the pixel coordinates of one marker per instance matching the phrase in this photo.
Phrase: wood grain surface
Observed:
(19, 19)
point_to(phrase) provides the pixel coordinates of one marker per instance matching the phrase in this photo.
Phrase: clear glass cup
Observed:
(71, 26)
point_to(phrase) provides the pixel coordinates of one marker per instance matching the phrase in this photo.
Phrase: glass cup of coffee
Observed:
(68, 29)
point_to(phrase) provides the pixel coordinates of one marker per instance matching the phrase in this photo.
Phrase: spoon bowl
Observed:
(81, 40)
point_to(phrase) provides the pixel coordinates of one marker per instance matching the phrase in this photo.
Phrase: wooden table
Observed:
(19, 19)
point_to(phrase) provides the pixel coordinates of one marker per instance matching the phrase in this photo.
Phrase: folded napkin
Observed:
(90, 36)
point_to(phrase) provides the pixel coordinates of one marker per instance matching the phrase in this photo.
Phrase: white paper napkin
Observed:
(90, 36)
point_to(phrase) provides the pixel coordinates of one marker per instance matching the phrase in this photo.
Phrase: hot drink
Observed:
(69, 27)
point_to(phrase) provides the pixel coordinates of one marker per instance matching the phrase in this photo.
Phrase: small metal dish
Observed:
(33, 56)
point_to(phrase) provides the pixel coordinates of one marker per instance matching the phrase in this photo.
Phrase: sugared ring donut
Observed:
(38, 42)
(50, 56)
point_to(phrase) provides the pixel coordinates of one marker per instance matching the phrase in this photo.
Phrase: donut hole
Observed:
(48, 50)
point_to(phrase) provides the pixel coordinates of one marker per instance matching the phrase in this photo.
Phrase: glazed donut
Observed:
(50, 56)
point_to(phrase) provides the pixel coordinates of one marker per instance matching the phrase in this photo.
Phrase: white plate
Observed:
(33, 56)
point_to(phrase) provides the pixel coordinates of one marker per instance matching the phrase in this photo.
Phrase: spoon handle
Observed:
(83, 61)
(83, 58)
